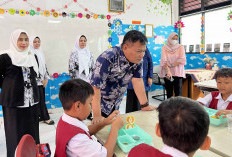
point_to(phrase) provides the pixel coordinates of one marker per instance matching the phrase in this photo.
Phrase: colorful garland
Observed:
(202, 35)
(53, 13)
(229, 17)
(40, 11)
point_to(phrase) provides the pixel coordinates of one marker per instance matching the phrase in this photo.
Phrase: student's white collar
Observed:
(73, 121)
(173, 151)
(229, 99)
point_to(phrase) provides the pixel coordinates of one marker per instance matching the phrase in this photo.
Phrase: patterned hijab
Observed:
(169, 46)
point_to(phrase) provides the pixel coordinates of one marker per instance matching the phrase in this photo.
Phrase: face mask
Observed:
(174, 42)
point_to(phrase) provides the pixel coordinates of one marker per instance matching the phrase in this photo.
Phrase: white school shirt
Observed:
(173, 151)
(81, 145)
(221, 105)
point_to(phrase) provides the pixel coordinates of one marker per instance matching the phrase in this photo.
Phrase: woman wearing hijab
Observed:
(81, 60)
(172, 63)
(42, 79)
(19, 91)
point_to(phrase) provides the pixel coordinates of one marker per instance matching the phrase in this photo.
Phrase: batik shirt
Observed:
(74, 67)
(111, 75)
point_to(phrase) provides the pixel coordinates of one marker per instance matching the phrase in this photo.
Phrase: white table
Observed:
(210, 85)
(147, 121)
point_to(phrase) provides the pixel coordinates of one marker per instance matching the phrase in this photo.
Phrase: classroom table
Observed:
(208, 86)
(193, 76)
(147, 121)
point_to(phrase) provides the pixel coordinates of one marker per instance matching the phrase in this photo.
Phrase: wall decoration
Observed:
(159, 39)
(226, 47)
(191, 48)
(208, 47)
(229, 17)
(217, 47)
(202, 35)
(179, 24)
(197, 49)
(116, 5)
(40, 11)
(149, 30)
(158, 7)
(136, 22)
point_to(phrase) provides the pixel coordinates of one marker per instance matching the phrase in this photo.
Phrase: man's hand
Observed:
(149, 81)
(112, 117)
(97, 119)
(149, 108)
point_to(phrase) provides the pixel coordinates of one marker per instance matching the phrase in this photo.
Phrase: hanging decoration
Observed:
(202, 35)
(38, 11)
(229, 17)
(179, 24)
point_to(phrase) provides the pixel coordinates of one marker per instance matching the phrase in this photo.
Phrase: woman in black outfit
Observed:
(19, 91)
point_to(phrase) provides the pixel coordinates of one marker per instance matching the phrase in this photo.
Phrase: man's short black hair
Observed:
(184, 123)
(74, 90)
(134, 36)
(224, 72)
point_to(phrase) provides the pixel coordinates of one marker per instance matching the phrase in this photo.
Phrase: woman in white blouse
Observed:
(81, 60)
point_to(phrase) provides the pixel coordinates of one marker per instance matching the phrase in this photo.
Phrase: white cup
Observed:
(229, 122)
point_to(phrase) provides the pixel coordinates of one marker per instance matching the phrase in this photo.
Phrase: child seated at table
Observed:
(73, 137)
(183, 126)
(220, 100)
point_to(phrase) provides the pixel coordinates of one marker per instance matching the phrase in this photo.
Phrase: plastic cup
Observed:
(229, 122)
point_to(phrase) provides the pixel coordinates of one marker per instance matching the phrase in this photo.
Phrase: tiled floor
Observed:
(48, 132)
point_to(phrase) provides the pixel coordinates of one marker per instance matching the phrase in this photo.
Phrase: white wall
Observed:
(58, 39)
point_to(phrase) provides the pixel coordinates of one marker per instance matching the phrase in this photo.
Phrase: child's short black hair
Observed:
(184, 123)
(134, 36)
(74, 90)
(224, 72)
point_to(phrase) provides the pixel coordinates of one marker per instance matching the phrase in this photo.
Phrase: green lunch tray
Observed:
(129, 138)
(214, 121)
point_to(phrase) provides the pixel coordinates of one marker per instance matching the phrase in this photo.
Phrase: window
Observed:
(218, 30)
(193, 6)
(191, 33)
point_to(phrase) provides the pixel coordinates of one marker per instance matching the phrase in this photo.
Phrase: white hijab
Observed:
(18, 57)
(39, 53)
(83, 57)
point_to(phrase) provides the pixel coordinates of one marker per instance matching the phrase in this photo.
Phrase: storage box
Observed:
(129, 138)
(214, 121)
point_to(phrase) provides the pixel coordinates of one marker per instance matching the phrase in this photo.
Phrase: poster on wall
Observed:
(226, 47)
(208, 47)
(217, 47)
(160, 39)
(197, 49)
(116, 5)
(149, 30)
(185, 48)
(191, 48)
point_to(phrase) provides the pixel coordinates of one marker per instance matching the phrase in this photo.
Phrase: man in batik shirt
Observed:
(113, 71)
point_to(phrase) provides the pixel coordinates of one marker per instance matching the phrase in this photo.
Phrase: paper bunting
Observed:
(202, 46)
(179, 24)
(229, 17)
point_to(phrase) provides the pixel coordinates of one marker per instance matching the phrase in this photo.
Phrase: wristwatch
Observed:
(145, 105)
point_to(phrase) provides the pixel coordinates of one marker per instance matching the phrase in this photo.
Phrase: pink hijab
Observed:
(169, 47)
